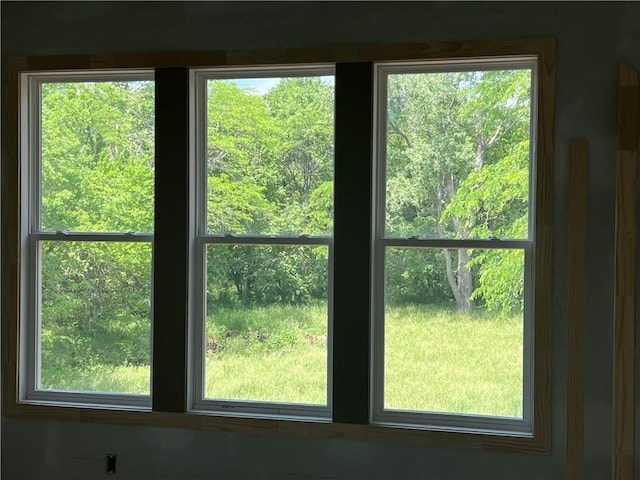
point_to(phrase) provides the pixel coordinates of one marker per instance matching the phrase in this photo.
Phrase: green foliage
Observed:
(238, 206)
(97, 156)
(494, 200)
(501, 280)
(270, 171)
(415, 276)
(95, 306)
(303, 110)
(97, 176)
(319, 211)
(261, 330)
(269, 157)
(241, 143)
(457, 167)
(265, 275)
(99, 378)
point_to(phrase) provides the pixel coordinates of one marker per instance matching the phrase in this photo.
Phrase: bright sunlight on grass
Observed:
(99, 378)
(436, 360)
(276, 353)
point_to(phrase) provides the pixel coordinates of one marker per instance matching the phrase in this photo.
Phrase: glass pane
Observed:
(457, 156)
(454, 331)
(95, 314)
(266, 333)
(270, 156)
(97, 147)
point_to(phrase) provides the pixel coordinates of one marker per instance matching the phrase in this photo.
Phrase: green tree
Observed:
(97, 176)
(303, 110)
(270, 165)
(446, 130)
(493, 200)
(241, 146)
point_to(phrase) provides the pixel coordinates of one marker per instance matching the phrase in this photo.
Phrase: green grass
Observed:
(435, 360)
(99, 378)
(297, 375)
(271, 353)
(441, 361)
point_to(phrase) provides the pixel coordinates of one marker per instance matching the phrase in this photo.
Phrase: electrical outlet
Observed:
(110, 463)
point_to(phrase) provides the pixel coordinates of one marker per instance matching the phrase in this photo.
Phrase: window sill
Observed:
(293, 426)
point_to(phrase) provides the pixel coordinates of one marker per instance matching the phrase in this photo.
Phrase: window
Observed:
(454, 244)
(263, 246)
(87, 228)
(280, 239)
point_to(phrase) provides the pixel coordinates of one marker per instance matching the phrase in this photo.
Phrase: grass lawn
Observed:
(441, 361)
(271, 353)
(100, 378)
(435, 360)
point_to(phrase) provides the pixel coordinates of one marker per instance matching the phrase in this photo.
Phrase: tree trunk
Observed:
(453, 283)
(465, 282)
(462, 283)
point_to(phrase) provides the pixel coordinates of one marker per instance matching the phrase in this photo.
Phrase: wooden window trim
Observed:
(624, 326)
(543, 48)
(577, 294)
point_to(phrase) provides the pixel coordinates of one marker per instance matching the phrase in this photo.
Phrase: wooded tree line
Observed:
(457, 167)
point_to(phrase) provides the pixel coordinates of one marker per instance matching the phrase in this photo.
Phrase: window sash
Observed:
(198, 402)
(32, 83)
(382, 72)
(270, 409)
(33, 235)
(33, 327)
(447, 420)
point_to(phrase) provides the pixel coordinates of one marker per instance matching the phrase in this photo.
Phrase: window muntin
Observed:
(90, 165)
(455, 142)
(263, 240)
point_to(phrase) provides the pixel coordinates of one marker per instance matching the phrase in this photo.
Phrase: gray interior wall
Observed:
(592, 38)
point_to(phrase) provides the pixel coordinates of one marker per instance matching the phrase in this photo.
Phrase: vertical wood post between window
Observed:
(171, 244)
(352, 242)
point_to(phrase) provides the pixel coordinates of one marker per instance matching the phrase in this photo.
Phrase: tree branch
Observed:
(397, 131)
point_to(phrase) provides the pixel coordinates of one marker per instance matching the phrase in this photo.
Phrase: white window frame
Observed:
(352, 411)
(197, 401)
(31, 235)
(473, 423)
